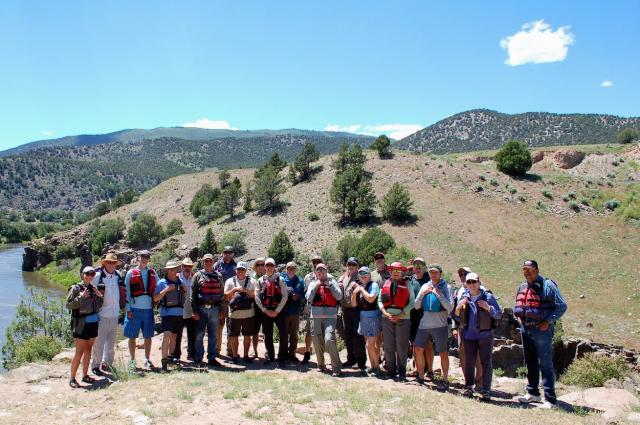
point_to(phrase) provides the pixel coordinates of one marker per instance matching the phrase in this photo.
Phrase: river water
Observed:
(15, 283)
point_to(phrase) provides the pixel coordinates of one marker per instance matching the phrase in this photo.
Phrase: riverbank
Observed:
(64, 274)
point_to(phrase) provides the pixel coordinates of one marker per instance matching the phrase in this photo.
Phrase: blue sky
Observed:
(93, 67)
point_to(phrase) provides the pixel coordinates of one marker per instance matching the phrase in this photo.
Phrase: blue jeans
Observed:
(209, 322)
(539, 359)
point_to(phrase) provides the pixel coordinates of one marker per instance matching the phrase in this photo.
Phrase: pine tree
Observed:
(267, 191)
(352, 193)
(208, 244)
(396, 204)
(223, 178)
(383, 145)
(302, 164)
(281, 249)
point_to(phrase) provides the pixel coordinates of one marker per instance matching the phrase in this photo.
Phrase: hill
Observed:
(186, 133)
(76, 177)
(483, 129)
(468, 214)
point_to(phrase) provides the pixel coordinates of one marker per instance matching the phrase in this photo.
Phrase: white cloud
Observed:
(537, 43)
(47, 133)
(210, 124)
(394, 131)
(606, 83)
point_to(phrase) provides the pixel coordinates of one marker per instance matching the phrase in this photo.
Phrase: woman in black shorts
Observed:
(84, 301)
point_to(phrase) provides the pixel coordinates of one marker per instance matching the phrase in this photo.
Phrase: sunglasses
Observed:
(321, 270)
(270, 265)
(472, 281)
(259, 264)
(208, 260)
(352, 265)
(378, 258)
(396, 270)
(364, 273)
(145, 256)
(90, 273)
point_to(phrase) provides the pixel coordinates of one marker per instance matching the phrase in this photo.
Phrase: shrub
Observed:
(301, 169)
(382, 145)
(203, 197)
(38, 348)
(332, 259)
(400, 253)
(372, 241)
(229, 199)
(574, 205)
(594, 370)
(512, 190)
(64, 252)
(145, 231)
(541, 206)
(347, 247)
(612, 204)
(514, 158)
(547, 193)
(522, 198)
(236, 239)
(223, 178)
(174, 227)
(105, 231)
(209, 213)
(628, 135)
(352, 194)
(281, 249)
(494, 182)
(478, 188)
(482, 178)
(313, 216)
(396, 204)
(208, 244)
(267, 191)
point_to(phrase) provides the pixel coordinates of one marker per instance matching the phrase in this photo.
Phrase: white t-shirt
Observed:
(250, 285)
(111, 305)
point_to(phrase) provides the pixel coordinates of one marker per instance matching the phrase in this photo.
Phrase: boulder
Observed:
(566, 159)
(612, 383)
(29, 259)
(29, 373)
(612, 401)
(508, 357)
(537, 156)
(64, 357)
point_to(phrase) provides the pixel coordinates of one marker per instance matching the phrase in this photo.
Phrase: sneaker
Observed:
(401, 378)
(165, 368)
(468, 392)
(548, 405)
(96, 371)
(307, 357)
(148, 364)
(529, 398)
(363, 371)
(73, 383)
(214, 363)
(175, 360)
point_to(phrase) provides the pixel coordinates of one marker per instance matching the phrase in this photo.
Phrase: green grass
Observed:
(66, 274)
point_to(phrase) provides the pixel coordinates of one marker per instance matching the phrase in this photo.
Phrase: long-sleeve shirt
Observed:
(262, 282)
(74, 300)
(550, 292)
(471, 331)
(406, 311)
(323, 312)
(348, 283)
(435, 319)
(196, 283)
(296, 284)
(187, 311)
(143, 302)
(111, 306)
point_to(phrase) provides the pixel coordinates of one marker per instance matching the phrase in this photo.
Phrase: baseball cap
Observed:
(144, 253)
(270, 261)
(472, 276)
(378, 255)
(364, 270)
(292, 264)
(228, 248)
(88, 269)
(435, 267)
(321, 266)
(530, 263)
(352, 260)
(242, 265)
(207, 257)
(419, 260)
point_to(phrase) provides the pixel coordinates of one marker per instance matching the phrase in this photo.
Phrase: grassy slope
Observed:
(591, 255)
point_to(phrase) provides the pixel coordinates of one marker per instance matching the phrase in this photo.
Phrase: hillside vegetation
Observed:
(467, 214)
(483, 129)
(76, 177)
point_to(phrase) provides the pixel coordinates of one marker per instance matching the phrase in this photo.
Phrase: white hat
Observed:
(472, 276)
(270, 261)
(88, 269)
(242, 265)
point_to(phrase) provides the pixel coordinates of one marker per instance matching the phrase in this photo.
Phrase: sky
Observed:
(371, 67)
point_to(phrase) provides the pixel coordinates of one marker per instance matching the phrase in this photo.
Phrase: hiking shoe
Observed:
(401, 378)
(148, 364)
(485, 395)
(214, 363)
(73, 383)
(468, 392)
(164, 365)
(307, 357)
(175, 360)
(529, 398)
(96, 371)
(87, 379)
(442, 386)
(363, 371)
(322, 369)
(548, 405)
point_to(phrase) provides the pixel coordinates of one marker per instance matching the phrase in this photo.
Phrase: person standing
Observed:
(477, 312)
(84, 301)
(539, 304)
(292, 309)
(365, 298)
(207, 293)
(435, 299)
(227, 268)
(240, 293)
(272, 296)
(323, 296)
(109, 282)
(170, 293)
(418, 278)
(185, 276)
(356, 354)
(140, 284)
(308, 339)
(395, 302)
(258, 271)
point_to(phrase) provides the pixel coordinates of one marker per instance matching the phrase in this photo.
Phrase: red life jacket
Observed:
(324, 297)
(211, 291)
(136, 284)
(365, 305)
(271, 293)
(531, 307)
(395, 299)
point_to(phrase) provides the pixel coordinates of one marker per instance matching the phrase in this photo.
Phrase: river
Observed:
(15, 283)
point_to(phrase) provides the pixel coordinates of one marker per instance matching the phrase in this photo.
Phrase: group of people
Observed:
(385, 315)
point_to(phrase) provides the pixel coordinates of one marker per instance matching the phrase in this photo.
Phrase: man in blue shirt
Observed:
(227, 268)
(140, 283)
(292, 309)
(171, 294)
(539, 304)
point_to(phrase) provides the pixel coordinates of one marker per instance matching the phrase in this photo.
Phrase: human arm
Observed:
(444, 296)
(336, 290)
(553, 293)
(257, 298)
(74, 297)
(283, 300)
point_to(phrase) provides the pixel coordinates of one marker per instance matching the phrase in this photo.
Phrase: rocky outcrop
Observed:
(566, 159)
(613, 402)
(537, 156)
(29, 259)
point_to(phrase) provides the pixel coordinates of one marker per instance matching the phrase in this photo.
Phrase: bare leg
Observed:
(373, 352)
(234, 345)
(308, 340)
(429, 354)
(132, 348)
(418, 355)
(246, 341)
(86, 358)
(147, 348)
(77, 357)
(444, 365)
(166, 342)
(255, 339)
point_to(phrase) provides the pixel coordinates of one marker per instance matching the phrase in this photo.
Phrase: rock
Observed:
(29, 259)
(64, 357)
(633, 417)
(29, 373)
(537, 156)
(629, 385)
(611, 401)
(508, 358)
(566, 159)
(612, 383)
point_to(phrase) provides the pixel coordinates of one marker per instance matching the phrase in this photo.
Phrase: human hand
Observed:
(171, 287)
(543, 326)
(484, 305)
(195, 316)
(130, 314)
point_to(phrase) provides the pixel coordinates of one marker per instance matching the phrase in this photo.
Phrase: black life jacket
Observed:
(395, 299)
(174, 298)
(240, 301)
(531, 307)
(365, 305)
(484, 321)
(324, 297)
(136, 284)
(211, 291)
(88, 305)
(271, 293)
(122, 290)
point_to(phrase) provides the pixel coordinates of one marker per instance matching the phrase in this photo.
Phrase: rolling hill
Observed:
(483, 129)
